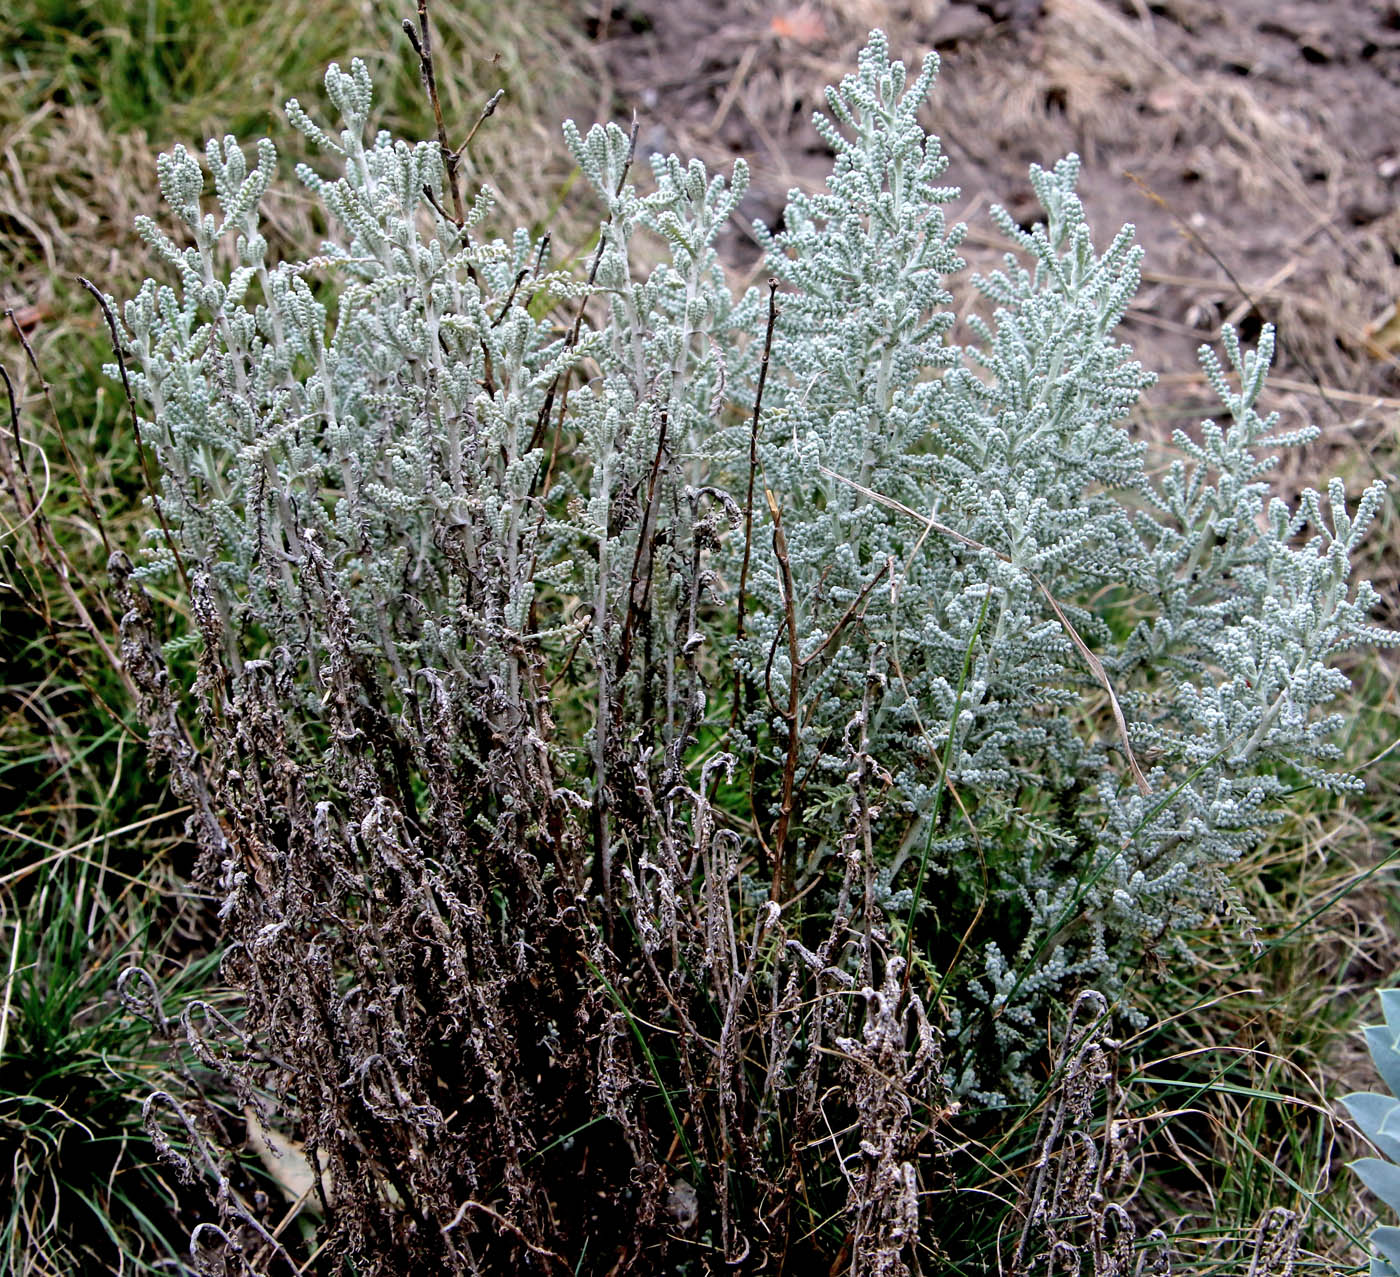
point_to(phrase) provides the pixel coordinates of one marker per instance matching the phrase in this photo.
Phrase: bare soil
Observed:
(1253, 143)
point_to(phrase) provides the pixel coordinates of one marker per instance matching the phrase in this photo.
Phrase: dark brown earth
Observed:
(1254, 144)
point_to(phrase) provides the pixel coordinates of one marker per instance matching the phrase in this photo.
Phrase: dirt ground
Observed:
(1252, 142)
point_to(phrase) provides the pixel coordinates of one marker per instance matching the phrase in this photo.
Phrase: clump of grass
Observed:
(83, 1191)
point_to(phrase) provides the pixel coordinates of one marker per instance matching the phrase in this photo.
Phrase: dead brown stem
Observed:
(748, 496)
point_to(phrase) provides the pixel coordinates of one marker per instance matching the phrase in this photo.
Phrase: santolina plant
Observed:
(684, 745)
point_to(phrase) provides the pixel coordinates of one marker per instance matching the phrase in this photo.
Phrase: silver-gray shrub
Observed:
(550, 686)
(1217, 613)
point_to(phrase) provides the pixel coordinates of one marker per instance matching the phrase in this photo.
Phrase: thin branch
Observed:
(487, 111)
(635, 604)
(533, 1247)
(52, 556)
(422, 41)
(748, 498)
(510, 297)
(436, 206)
(73, 465)
(539, 262)
(856, 605)
(781, 886)
(571, 340)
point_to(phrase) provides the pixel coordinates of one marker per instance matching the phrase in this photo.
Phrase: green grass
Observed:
(85, 1192)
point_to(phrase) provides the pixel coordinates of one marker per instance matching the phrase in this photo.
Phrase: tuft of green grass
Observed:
(84, 1192)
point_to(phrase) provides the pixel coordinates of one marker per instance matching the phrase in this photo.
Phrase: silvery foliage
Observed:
(1217, 616)
(405, 435)
(370, 437)
(647, 423)
(401, 436)
(1378, 1116)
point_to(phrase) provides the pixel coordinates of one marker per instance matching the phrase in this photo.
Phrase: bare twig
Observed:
(99, 524)
(422, 41)
(748, 496)
(781, 886)
(486, 112)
